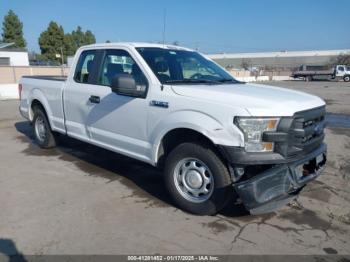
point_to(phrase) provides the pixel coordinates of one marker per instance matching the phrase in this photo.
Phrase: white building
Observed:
(279, 59)
(13, 57)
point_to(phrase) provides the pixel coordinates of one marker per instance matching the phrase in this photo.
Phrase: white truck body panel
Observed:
(342, 70)
(132, 127)
(258, 100)
(49, 93)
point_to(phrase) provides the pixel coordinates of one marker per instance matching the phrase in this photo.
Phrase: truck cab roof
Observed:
(134, 45)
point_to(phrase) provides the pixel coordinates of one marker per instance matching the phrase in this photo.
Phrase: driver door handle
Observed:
(94, 99)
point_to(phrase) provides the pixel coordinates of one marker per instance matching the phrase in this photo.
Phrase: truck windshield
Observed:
(172, 66)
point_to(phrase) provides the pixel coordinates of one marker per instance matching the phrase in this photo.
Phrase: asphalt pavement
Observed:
(80, 199)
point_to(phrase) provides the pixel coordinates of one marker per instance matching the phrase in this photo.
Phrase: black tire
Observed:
(346, 78)
(222, 190)
(308, 78)
(48, 140)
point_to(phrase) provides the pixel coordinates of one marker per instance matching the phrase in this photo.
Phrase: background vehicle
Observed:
(311, 72)
(179, 111)
(43, 63)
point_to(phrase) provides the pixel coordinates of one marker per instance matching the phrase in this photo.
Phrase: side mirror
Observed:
(125, 84)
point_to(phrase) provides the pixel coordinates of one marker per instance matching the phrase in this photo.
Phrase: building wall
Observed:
(281, 62)
(285, 59)
(12, 74)
(15, 58)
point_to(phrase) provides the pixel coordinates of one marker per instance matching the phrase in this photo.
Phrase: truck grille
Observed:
(305, 132)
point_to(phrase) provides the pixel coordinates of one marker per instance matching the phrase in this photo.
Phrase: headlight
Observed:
(253, 129)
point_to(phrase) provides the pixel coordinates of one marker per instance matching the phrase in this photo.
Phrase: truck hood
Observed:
(258, 100)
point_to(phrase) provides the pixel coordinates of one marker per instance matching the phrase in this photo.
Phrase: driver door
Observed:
(119, 122)
(340, 71)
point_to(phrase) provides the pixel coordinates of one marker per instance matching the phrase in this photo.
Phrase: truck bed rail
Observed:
(53, 78)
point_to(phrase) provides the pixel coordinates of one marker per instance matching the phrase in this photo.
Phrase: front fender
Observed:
(219, 133)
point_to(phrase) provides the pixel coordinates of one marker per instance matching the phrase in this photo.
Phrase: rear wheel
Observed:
(197, 179)
(346, 78)
(308, 78)
(44, 137)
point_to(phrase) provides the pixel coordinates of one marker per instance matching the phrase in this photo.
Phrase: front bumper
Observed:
(279, 184)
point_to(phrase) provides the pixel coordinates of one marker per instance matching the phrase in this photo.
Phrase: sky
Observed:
(212, 26)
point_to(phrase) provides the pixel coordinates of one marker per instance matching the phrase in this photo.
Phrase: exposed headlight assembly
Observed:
(253, 129)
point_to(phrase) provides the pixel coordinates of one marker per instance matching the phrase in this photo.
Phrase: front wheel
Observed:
(346, 78)
(197, 179)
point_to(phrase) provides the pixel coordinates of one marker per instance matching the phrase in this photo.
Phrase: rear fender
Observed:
(37, 94)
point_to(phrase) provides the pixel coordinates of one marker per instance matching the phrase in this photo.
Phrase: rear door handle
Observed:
(94, 99)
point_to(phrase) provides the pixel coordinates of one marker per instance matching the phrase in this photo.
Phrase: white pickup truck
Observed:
(217, 139)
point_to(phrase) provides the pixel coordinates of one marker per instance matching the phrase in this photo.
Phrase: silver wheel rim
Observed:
(193, 180)
(40, 128)
(346, 79)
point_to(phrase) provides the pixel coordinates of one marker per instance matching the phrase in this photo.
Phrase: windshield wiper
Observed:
(228, 80)
(190, 81)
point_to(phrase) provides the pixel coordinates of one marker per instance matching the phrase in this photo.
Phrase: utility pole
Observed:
(62, 70)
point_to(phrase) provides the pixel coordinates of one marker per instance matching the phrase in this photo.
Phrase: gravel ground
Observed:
(79, 199)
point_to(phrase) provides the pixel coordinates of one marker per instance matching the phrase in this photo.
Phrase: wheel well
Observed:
(178, 136)
(36, 103)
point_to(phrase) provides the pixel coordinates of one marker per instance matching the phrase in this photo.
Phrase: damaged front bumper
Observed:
(279, 184)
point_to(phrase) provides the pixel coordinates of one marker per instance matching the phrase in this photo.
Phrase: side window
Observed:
(340, 68)
(84, 66)
(119, 62)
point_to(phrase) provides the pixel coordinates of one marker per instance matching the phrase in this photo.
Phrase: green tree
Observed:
(12, 30)
(78, 37)
(342, 59)
(69, 45)
(51, 41)
(89, 38)
(82, 38)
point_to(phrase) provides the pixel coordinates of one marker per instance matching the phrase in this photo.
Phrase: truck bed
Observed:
(313, 73)
(48, 90)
